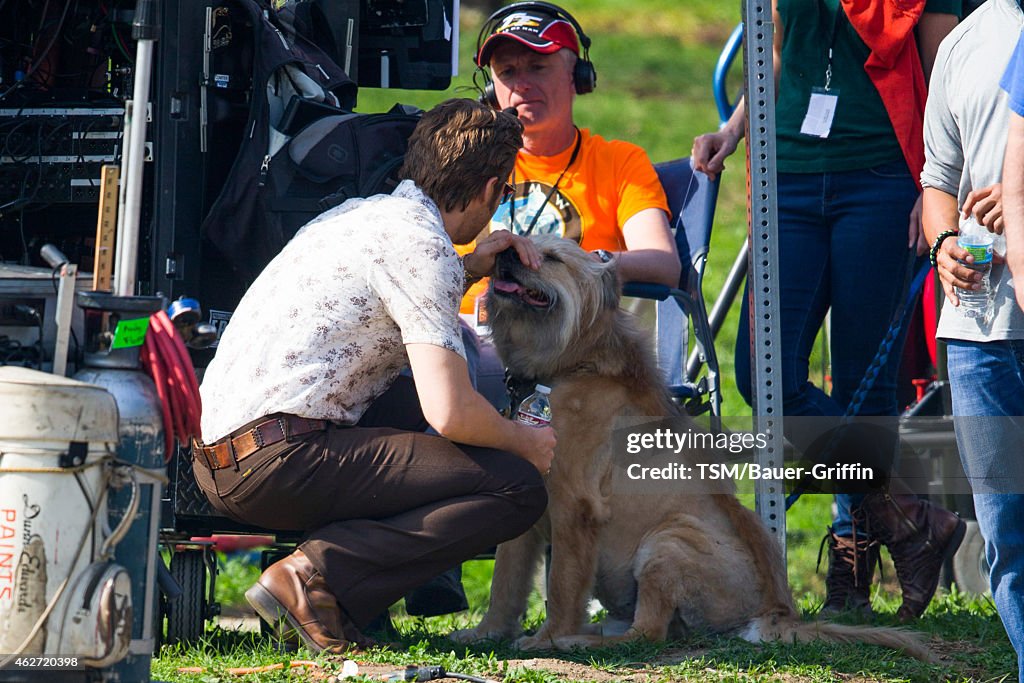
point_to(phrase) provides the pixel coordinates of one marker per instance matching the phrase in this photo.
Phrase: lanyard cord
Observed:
(832, 44)
(554, 188)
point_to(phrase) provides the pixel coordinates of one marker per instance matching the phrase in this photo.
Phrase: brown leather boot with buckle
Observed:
(920, 538)
(851, 568)
(292, 596)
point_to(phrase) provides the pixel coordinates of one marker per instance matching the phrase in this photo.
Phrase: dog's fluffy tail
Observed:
(787, 629)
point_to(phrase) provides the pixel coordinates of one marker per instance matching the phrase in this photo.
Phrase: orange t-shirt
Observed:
(608, 183)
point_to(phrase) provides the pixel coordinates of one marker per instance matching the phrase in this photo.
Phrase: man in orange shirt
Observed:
(602, 193)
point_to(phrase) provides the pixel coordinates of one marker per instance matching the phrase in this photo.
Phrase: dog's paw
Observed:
(538, 641)
(481, 632)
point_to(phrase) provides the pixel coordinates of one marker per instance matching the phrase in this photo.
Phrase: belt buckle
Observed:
(283, 424)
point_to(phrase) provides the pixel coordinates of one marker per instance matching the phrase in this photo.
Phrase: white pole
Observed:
(144, 30)
(131, 173)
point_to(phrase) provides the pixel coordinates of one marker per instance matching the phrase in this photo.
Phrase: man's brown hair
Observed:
(457, 147)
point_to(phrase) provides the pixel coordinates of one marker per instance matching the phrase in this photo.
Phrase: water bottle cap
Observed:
(543, 389)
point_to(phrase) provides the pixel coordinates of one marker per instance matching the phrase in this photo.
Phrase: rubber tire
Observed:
(186, 615)
(970, 566)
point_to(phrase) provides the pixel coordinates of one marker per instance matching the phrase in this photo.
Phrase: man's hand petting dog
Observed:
(480, 262)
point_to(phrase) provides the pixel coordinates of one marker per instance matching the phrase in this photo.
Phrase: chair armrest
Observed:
(646, 290)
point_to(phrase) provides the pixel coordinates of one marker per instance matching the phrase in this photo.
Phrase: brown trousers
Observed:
(385, 506)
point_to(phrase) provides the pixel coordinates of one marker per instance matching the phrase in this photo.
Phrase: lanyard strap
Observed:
(554, 188)
(832, 44)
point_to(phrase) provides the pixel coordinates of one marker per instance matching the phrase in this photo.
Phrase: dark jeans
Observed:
(842, 244)
(386, 507)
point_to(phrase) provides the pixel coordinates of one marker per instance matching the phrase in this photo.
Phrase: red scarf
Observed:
(894, 66)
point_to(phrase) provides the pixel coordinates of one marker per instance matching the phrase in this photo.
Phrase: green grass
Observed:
(964, 629)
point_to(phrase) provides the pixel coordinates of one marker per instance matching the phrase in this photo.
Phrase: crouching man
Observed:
(308, 426)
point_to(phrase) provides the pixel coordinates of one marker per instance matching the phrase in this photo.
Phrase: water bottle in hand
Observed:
(535, 410)
(977, 303)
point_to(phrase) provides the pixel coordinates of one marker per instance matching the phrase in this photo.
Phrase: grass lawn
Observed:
(962, 629)
(654, 60)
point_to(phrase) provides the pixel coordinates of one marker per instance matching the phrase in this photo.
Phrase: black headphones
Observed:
(584, 76)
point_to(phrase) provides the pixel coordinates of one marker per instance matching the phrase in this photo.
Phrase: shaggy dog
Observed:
(663, 565)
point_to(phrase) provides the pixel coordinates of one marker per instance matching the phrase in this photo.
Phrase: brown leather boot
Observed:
(851, 568)
(920, 538)
(292, 596)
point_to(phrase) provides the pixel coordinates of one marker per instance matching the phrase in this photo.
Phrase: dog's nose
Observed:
(508, 257)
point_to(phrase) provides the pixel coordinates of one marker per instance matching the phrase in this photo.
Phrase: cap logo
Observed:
(518, 20)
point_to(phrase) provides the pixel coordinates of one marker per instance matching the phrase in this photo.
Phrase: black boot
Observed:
(920, 538)
(443, 594)
(851, 567)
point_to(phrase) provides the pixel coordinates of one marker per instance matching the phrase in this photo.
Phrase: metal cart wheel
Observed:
(970, 566)
(186, 614)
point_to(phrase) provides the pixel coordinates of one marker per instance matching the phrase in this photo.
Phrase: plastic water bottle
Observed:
(535, 410)
(977, 304)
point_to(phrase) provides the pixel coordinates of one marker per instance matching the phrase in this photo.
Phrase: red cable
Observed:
(184, 373)
(166, 360)
(152, 367)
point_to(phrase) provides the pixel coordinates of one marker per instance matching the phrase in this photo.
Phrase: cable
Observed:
(35, 65)
(430, 673)
(165, 359)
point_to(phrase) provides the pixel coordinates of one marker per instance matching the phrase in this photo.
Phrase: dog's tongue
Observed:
(507, 287)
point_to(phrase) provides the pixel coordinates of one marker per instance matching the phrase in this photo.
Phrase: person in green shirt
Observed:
(849, 151)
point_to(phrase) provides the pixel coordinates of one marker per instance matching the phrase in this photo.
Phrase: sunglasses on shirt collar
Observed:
(508, 193)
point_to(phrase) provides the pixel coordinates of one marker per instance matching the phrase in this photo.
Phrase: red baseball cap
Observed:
(536, 29)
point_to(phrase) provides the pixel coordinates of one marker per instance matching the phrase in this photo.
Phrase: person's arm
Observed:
(460, 414)
(711, 149)
(1013, 203)
(931, 28)
(940, 214)
(651, 254)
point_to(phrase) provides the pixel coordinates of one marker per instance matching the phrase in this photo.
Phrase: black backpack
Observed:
(256, 56)
(330, 160)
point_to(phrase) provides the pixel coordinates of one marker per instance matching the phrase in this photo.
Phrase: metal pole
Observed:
(144, 30)
(763, 257)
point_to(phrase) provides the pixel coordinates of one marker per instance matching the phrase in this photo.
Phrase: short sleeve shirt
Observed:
(607, 183)
(322, 331)
(965, 127)
(1013, 78)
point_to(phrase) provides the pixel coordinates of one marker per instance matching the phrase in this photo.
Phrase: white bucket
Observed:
(49, 506)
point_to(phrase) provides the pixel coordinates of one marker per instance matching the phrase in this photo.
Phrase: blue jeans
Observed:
(987, 379)
(842, 244)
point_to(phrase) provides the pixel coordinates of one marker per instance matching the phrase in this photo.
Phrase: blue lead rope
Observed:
(881, 356)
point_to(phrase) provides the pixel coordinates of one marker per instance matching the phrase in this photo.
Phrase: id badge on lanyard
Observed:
(821, 109)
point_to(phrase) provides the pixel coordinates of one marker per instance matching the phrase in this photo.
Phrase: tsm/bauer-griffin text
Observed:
(750, 470)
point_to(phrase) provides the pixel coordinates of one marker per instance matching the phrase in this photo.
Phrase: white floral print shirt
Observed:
(321, 332)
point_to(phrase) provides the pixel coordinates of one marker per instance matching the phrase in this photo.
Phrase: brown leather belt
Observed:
(233, 449)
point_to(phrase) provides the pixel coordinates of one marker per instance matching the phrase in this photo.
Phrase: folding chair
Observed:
(691, 199)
